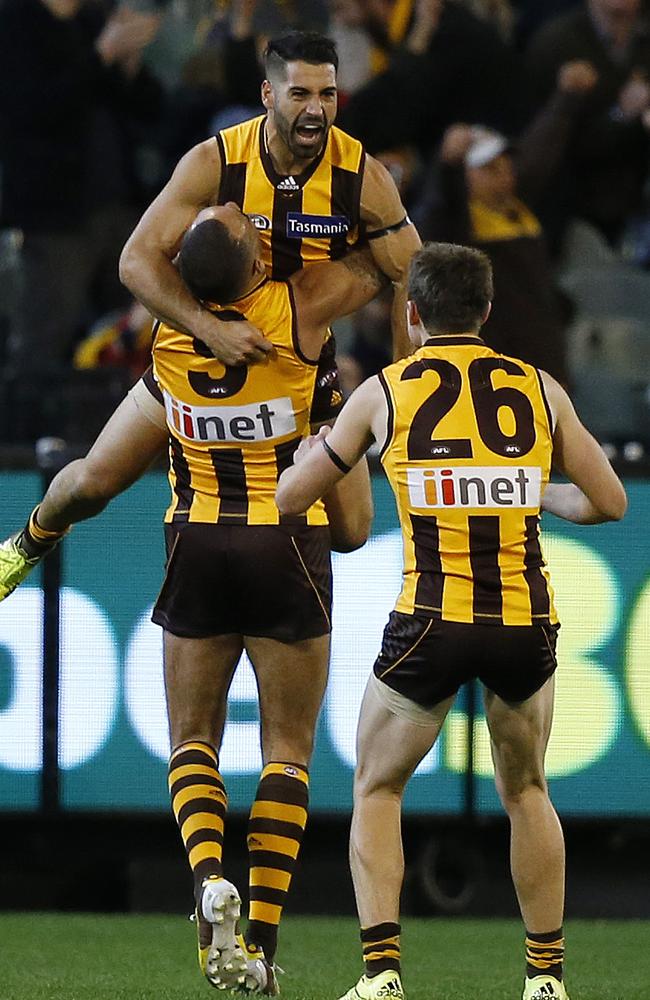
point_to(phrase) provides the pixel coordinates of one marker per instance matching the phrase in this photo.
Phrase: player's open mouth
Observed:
(309, 133)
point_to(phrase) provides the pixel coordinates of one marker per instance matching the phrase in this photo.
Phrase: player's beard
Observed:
(296, 145)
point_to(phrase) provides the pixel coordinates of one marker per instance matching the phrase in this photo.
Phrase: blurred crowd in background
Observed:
(519, 126)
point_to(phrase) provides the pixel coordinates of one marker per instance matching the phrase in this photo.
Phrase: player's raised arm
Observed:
(323, 459)
(322, 293)
(393, 240)
(147, 270)
(595, 493)
(325, 292)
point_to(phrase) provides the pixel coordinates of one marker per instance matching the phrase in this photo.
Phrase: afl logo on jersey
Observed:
(320, 227)
(261, 222)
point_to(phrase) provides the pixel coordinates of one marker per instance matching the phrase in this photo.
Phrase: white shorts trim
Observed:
(148, 405)
(403, 707)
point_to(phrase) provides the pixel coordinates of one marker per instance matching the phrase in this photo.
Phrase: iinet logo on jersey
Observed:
(248, 422)
(489, 487)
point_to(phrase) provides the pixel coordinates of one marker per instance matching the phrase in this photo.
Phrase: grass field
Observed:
(79, 957)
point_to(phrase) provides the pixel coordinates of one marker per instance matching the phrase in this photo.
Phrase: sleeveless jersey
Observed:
(313, 216)
(468, 454)
(233, 430)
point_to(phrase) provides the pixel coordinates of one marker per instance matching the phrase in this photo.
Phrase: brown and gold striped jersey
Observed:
(313, 216)
(468, 454)
(233, 430)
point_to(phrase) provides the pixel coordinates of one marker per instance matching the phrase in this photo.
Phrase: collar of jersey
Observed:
(254, 289)
(455, 338)
(272, 174)
(215, 307)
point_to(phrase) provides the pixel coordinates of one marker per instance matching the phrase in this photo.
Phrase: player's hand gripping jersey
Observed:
(468, 455)
(234, 429)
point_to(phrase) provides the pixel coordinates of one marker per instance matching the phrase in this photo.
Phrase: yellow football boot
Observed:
(544, 988)
(260, 976)
(384, 986)
(15, 565)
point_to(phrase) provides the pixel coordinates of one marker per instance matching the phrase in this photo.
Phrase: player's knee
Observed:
(369, 781)
(515, 784)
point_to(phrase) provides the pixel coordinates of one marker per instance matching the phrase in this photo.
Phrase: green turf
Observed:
(78, 957)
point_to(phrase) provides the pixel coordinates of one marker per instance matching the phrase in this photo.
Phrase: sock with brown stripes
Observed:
(275, 828)
(199, 805)
(545, 954)
(381, 949)
(36, 541)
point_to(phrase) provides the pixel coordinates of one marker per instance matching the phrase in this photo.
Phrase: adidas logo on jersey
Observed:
(486, 487)
(263, 421)
(288, 184)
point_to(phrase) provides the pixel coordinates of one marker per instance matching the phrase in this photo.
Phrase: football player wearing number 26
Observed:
(467, 439)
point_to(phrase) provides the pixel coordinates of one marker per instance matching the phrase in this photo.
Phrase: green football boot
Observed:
(15, 565)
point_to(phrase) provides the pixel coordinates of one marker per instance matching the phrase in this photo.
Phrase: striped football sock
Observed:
(381, 950)
(199, 804)
(275, 828)
(545, 954)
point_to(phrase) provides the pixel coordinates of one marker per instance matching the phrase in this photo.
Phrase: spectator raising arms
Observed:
(606, 165)
(482, 191)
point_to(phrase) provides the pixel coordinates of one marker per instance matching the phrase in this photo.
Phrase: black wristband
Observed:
(338, 462)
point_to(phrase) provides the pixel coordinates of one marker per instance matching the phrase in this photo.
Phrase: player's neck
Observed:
(429, 336)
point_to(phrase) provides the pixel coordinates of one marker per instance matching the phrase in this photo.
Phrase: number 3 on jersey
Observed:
(234, 376)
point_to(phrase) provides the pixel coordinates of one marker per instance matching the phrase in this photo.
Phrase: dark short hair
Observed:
(451, 285)
(303, 46)
(212, 263)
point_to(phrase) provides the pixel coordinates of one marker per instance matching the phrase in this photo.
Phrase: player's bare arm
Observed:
(324, 459)
(393, 241)
(349, 507)
(322, 293)
(325, 292)
(147, 269)
(594, 493)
